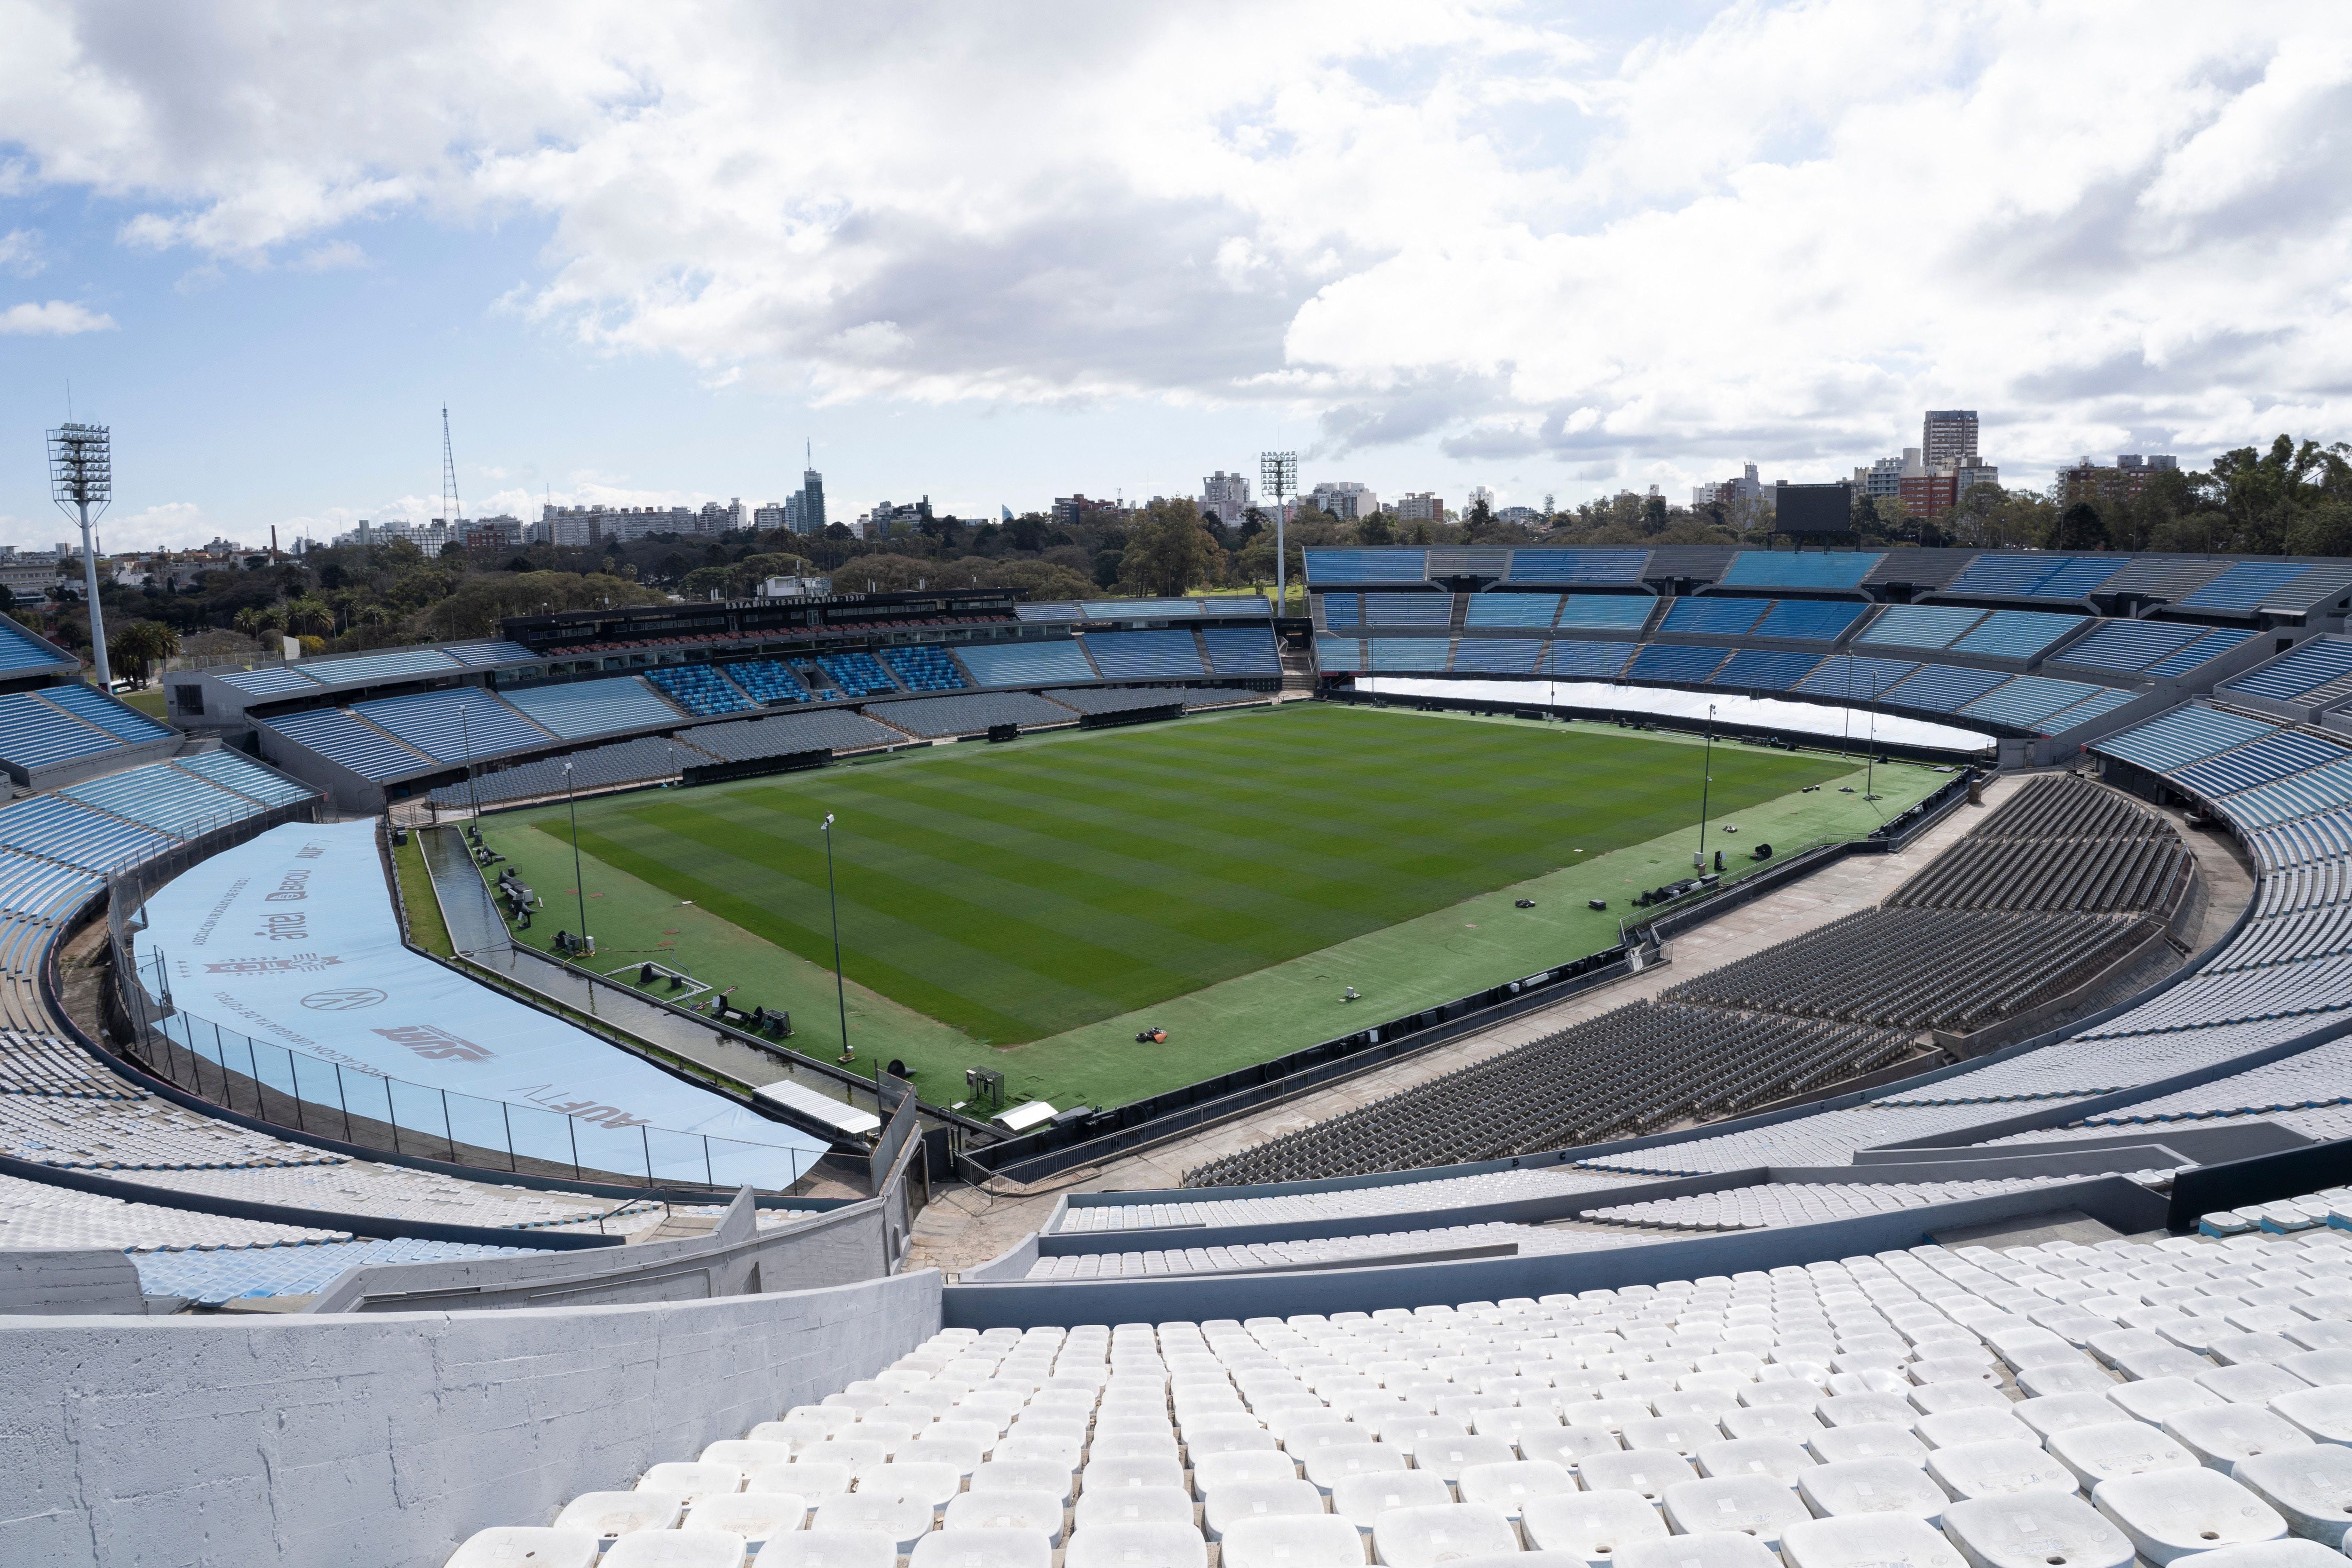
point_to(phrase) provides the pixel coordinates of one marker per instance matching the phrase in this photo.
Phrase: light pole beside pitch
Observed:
(1706, 782)
(81, 476)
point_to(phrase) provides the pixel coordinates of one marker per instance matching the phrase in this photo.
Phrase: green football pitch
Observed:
(1051, 890)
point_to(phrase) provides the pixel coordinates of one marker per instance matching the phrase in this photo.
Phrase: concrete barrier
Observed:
(384, 1441)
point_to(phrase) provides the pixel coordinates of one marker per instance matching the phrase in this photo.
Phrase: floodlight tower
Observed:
(1277, 475)
(448, 473)
(82, 476)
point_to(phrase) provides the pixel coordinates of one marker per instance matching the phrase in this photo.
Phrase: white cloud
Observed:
(1774, 236)
(54, 318)
(22, 252)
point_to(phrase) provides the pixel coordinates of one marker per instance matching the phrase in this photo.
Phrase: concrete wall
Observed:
(238, 1441)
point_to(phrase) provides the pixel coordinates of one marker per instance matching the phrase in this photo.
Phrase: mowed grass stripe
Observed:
(1019, 893)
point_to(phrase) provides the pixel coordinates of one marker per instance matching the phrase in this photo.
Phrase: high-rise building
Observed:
(768, 518)
(1947, 438)
(1972, 472)
(1225, 497)
(812, 502)
(1420, 506)
(1345, 499)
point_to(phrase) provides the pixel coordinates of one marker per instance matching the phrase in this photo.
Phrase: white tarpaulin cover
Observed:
(291, 940)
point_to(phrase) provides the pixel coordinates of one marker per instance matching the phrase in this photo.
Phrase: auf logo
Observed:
(292, 962)
(344, 999)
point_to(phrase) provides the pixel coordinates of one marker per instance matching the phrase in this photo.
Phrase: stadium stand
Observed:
(1920, 625)
(585, 709)
(924, 668)
(2186, 734)
(1060, 663)
(765, 680)
(1364, 565)
(2017, 634)
(1712, 616)
(1675, 662)
(22, 653)
(1851, 676)
(351, 742)
(57, 830)
(1241, 650)
(1757, 670)
(1341, 656)
(92, 706)
(165, 798)
(1407, 609)
(596, 768)
(1509, 610)
(35, 733)
(2312, 672)
(858, 674)
(2274, 757)
(700, 688)
(1168, 654)
(1943, 687)
(1561, 567)
(1498, 656)
(2246, 585)
(2030, 701)
(1403, 654)
(1584, 661)
(2058, 844)
(1341, 611)
(1605, 612)
(2213, 645)
(2030, 575)
(750, 739)
(2131, 645)
(247, 777)
(1808, 620)
(443, 724)
(1799, 569)
(972, 714)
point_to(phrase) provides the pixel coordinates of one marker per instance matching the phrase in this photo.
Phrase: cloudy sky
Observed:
(994, 254)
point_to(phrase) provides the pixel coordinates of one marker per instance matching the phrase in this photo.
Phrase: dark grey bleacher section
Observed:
(1954, 970)
(1632, 1070)
(1129, 698)
(936, 716)
(829, 730)
(2059, 844)
(597, 768)
(1996, 928)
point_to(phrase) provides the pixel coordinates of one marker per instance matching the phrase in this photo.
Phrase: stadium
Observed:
(1682, 1056)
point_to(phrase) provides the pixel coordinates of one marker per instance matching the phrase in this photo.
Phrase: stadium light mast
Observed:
(1277, 474)
(81, 476)
(579, 883)
(1705, 781)
(840, 991)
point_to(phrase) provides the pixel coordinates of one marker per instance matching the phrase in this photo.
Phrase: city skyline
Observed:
(1428, 248)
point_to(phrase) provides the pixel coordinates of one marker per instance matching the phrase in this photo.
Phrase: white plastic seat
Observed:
(1449, 1457)
(813, 1478)
(1867, 1440)
(1999, 1468)
(1300, 1437)
(1775, 1457)
(1134, 1505)
(2310, 1487)
(1936, 1398)
(1737, 1505)
(2221, 1436)
(900, 1520)
(1955, 1426)
(2048, 1413)
(1007, 1548)
(1872, 1485)
(2032, 1529)
(2097, 1453)
(1715, 1549)
(1866, 1540)
(1361, 1499)
(690, 1480)
(1037, 1510)
(1508, 1484)
(1590, 1526)
(1292, 1540)
(1136, 1546)
(2251, 1383)
(1109, 1475)
(503, 1546)
(2325, 1413)
(1866, 1409)
(840, 1549)
(747, 1454)
(754, 1516)
(1256, 1500)
(1026, 1475)
(612, 1514)
(2170, 1514)
(916, 1481)
(1328, 1467)
(1569, 1447)
(1425, 1537)
(677, 1549)
(951, 1443)
(1052, 1449)
(1212, 1471)
(1792, 1421)
(1647, 1472)
(1133, 1445)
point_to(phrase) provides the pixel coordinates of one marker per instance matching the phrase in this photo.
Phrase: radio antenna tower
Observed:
(82, 476)
(1277, 476)
(449, 472)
